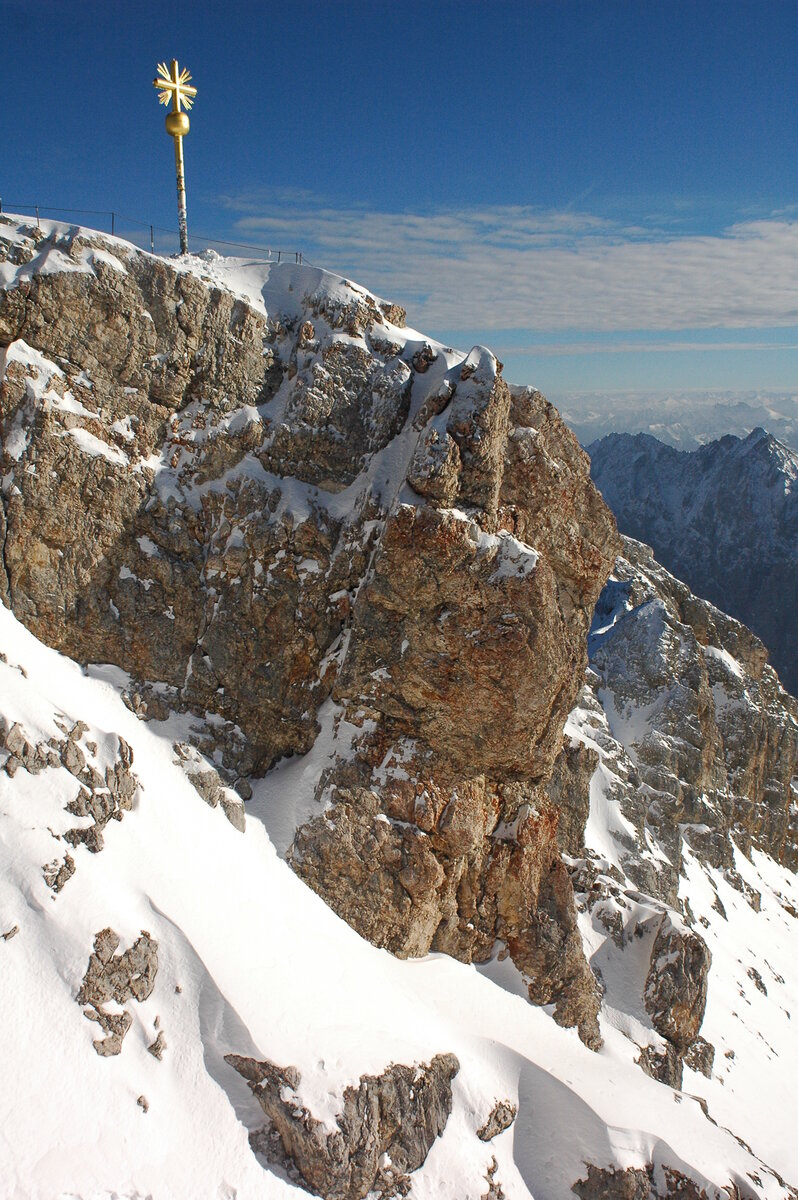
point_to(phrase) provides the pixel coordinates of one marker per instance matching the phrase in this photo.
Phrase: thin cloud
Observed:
(518, 268)
(568, 349)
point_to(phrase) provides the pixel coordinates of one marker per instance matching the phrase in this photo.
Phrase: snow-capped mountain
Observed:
(295, 596)
(684, 420)
(724, 518)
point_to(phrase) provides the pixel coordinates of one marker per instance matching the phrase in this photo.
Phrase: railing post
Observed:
(152, 240)
(113, 220)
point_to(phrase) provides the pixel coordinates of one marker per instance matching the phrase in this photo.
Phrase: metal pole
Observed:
(113, 217)
(182, 220)
(152, 240)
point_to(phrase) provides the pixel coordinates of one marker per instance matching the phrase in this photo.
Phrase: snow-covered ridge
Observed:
(279, 290)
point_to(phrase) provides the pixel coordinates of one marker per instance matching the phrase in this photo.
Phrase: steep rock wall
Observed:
(257, 503)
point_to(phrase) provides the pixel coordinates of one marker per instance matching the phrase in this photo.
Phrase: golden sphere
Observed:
(177, 124)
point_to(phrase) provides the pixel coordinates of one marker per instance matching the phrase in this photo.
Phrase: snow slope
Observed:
(252, 962)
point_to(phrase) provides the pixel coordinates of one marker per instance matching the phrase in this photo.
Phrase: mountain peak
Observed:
(294, 672)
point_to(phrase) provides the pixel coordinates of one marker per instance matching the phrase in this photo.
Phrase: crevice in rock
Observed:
(5, 577)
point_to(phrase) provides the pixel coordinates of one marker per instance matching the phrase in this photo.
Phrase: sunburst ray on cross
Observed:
(174, 86)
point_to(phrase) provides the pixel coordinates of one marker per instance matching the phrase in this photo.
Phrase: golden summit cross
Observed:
(174, 87)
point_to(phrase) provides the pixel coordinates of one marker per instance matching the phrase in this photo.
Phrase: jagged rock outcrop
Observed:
(495, 1190)
(383, 1133)
(258, 505)
(114, 979)
(651, 1182)
(675, 991)
(278, 572)
(724, 518)
(208, 784)
(501, 1117)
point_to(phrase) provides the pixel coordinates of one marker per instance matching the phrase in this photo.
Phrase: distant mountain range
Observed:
(724, 518)
(685, 420)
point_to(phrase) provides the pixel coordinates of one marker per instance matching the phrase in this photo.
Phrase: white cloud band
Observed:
(517, 268)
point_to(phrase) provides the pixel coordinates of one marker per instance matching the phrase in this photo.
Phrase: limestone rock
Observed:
(58, 872)
(495, 1190)
(675, 991)
(112, 978)
(662, 1062)
(157, 1047)
(106, 790)
(647, 1183)
(254, 513)
(569, 790)
(719, 749)
(609, 1183)
(102, 797)
(500, 1118)
(209, 784)
(395, 1116)
(697, 747)
(700, 1057)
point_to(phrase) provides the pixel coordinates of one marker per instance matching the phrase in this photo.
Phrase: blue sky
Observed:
(605, 192)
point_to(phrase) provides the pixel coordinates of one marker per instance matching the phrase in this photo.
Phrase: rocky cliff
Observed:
(281, 510)
(724, 518)
(337, 581)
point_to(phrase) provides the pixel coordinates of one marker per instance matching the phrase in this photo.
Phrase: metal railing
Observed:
(114, 218)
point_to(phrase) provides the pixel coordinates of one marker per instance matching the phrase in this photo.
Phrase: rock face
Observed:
(646, 1183)
(686, 735)
(309, 535)
(675, 991)
(724, 518)
(716, 755)
(258, 505)
(383, 1133)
